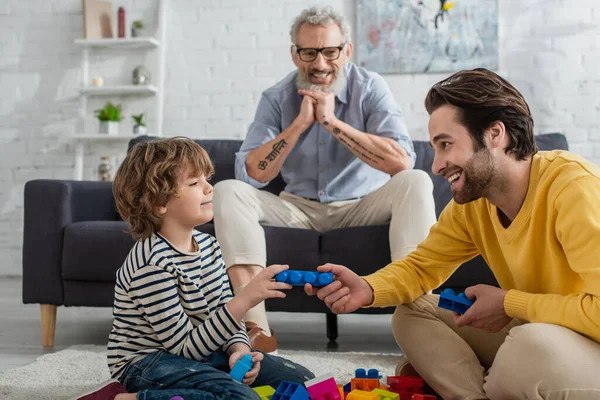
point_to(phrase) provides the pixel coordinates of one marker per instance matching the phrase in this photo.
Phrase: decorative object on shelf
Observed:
(140, 126)
(109, 118)
(121, 17)
(137, 28)
(98, 81)
(141, 76)
(104, 168)
(97, 19)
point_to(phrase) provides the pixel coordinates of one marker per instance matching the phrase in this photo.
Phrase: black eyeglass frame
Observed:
(320, 50)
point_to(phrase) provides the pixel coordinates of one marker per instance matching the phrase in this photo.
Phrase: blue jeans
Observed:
(161, 376)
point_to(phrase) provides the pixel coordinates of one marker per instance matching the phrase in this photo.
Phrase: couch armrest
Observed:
(50, 206)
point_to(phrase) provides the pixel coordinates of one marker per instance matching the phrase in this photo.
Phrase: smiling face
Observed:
(327, 75)
(469, 168)
(192, 205)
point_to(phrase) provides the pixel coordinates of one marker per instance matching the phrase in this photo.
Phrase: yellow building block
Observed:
(362, 395)
(265, 392)
(386, 395)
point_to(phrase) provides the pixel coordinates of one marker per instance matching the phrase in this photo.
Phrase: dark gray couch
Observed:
(74, 241)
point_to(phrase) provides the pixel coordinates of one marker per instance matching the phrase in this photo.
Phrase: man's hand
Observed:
(325, 106)
(348, 292)
(487, 312)
(257, 357)
(306, 117)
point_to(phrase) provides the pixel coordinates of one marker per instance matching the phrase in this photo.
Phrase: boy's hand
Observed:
(347, 293)
(251, 375)
(263, 286)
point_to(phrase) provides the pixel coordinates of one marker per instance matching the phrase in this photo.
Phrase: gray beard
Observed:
(336, 87)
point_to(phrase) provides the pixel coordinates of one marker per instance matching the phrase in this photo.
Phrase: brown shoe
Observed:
(405, 368)
(258, 340)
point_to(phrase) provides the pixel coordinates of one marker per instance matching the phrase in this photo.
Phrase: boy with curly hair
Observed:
(177, 328)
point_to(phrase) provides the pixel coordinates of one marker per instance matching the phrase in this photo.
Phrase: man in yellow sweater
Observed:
(535, 219)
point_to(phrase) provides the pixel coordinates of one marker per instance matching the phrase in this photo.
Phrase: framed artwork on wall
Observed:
(411, 36)
(97, 19)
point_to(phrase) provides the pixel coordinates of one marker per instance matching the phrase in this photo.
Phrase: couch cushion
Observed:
(95, 250)
(298, 248)
(363, 249)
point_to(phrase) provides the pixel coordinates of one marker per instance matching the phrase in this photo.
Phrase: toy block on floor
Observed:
(300, 278)
(240, 368)
(264, 392)
(365, 380)
(323, 387)
(362, 395)
(423, 397)
(371, 374)
(386, 395)
(290, 391)
(451, 301)
(364, 384)
(405, 386)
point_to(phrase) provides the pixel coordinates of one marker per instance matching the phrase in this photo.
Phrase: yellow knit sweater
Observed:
(548, 259)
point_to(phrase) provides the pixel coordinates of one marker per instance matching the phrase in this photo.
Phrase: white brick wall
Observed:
(222, 54)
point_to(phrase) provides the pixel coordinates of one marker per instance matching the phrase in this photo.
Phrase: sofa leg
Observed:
(332, 328)
(48, 317)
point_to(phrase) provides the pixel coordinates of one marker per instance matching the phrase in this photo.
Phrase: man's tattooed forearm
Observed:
(356, 147)
(363, 147)
(356, 151)
(262, 164)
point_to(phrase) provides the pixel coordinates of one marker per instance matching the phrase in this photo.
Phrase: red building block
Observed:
(405, 386)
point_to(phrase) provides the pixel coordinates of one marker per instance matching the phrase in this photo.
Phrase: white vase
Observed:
(139, 130)
(109, 127)
(137, 32)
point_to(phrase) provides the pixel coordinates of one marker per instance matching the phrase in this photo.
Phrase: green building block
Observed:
(265, 392)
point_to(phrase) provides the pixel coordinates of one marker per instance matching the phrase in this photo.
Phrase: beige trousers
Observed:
(405, 202)
(523, 361)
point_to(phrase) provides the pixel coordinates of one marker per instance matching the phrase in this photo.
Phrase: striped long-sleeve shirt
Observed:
(169, 300)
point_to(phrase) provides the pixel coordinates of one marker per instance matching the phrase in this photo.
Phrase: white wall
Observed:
(223, 53)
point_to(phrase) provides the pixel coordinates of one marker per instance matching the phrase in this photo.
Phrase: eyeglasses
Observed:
(329, 53)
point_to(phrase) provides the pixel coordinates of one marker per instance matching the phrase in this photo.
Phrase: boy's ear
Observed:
(161, 210)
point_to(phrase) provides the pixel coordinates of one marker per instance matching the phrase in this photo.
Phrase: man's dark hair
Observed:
(482, 97)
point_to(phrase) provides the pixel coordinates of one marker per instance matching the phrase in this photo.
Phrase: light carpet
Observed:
(68, 372)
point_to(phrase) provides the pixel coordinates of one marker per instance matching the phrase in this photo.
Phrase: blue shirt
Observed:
(319, 166)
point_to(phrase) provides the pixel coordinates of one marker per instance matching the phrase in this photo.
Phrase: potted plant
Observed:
(137, 28)
(109, 118)
(140, 126)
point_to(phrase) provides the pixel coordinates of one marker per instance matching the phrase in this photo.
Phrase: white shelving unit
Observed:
(129, 43)
(86, 90)
(122, 90)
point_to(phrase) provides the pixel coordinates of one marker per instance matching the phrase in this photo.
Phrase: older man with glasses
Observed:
(339, 140)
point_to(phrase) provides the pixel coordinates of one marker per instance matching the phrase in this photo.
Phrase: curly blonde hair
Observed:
(150, 175)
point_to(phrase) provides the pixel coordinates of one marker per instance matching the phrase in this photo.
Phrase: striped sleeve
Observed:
(241, 336)
(155, 293)
(216, 259)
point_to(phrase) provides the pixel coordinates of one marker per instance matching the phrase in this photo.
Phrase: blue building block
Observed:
(458, 303)
(348, 387)
(290, 391)
(371, 374)
(299, 278)
(240, 368)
